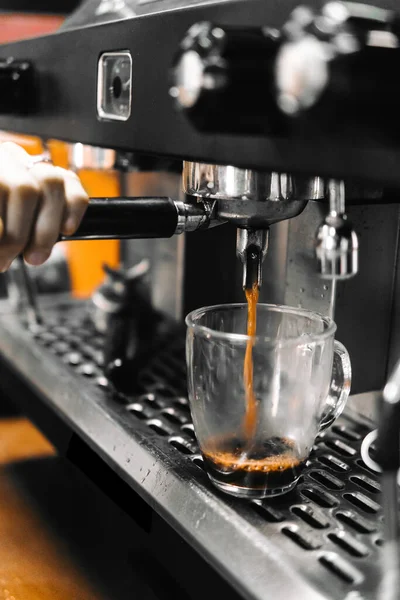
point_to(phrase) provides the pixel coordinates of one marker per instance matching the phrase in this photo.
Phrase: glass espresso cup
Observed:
(301, 382)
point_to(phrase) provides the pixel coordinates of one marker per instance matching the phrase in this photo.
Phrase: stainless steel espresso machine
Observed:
(258, 142)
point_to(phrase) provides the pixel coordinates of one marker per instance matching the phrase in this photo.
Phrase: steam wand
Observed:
(337, 242)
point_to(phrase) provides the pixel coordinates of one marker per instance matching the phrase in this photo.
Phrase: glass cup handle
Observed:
(340, 386)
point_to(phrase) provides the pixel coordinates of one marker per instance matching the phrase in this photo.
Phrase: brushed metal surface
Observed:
(362, 306)
(320, 543)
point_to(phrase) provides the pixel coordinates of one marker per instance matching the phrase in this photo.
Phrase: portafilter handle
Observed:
(139, 218)
(135, 218)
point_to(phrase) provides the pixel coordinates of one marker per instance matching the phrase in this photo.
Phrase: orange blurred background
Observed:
(85, 259)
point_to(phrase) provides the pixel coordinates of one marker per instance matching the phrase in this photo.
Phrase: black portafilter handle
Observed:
(128, 218)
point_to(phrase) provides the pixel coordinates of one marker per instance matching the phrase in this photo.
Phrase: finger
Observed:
(16, 153)
(4, 192)
(19, 198)
(47, 226)
(76, 203)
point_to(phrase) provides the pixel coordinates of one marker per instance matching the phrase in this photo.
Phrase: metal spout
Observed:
(251, 248)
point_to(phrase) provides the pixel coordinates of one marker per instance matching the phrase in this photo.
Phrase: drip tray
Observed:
(321, 541)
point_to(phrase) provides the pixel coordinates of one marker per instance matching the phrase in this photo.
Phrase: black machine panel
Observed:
(64, 99)
(40, 6)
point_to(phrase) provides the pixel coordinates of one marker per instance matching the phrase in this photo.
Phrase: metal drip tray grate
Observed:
(331, 524)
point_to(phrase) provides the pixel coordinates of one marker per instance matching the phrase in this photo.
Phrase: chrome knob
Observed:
(222, 79)
(335, 68)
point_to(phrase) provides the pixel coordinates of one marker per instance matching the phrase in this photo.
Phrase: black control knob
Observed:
(17, 87)
(337, 69)
(223, 78)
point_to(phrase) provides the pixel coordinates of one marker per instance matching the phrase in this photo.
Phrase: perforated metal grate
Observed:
(334, 514)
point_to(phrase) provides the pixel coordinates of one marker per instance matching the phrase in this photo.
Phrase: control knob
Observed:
(223, 78)
(336, 69)
(17, 87)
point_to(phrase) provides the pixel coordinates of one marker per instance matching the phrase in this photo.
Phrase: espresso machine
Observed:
(258, 144)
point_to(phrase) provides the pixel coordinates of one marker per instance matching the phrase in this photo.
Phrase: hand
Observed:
(37, 204)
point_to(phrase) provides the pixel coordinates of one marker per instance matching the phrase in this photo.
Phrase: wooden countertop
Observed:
(59, 538)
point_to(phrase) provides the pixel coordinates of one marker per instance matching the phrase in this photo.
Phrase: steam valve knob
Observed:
(337, 66)
(222, 78)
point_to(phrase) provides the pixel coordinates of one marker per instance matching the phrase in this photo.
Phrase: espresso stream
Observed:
(250, 420)
(241, 459)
